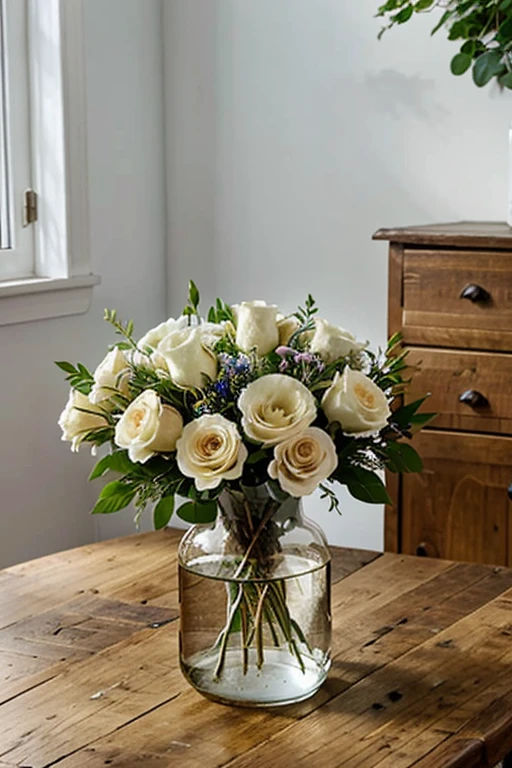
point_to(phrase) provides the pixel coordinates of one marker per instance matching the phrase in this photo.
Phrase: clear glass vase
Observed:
(255, 618)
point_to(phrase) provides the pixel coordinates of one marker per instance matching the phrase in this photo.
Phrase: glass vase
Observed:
(255, 618)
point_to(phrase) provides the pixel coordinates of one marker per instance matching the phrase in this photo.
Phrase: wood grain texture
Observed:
(458, 507)
(460, 234)
(422, 669)
(460, 371)
(432, 286)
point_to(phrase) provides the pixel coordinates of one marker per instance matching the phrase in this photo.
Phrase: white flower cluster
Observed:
(277, 411)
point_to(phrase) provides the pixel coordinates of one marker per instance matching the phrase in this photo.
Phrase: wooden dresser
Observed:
(450, 295)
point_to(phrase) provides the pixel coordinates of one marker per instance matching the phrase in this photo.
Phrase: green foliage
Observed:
(198, 512)
(114, 496)
(162, 512)
(122, 329)
(115, 462)
(362, 484)
(79, 378)
(483, 26)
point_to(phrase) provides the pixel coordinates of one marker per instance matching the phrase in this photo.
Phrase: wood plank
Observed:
(106, 568)
(461, 234)
(433, 680)
(462, 753)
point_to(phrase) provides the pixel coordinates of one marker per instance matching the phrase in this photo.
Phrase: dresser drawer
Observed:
(434, 309)
(450, 375)
(459, 507)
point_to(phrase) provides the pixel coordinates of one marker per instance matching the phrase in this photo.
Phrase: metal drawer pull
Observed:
(510, 491)
(474, 399)
(475, 293)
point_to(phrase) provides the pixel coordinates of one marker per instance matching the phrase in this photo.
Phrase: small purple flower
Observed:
(303, 357)
(284, 351)
(283, 366)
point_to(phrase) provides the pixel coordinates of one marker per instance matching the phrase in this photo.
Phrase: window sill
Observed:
(41, 298)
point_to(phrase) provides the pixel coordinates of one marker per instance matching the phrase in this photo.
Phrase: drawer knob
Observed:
(427, 549)
(475, 293)
(474, 399)
(510, 491)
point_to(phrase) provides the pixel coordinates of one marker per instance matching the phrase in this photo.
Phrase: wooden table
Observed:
(89, 672)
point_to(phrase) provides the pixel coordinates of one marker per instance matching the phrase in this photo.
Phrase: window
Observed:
(45, 265)
(16, 235)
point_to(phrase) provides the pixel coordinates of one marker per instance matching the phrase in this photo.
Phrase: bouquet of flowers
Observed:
(247, 397)
(240, 415)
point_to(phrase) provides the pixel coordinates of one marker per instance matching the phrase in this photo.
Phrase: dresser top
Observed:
(461, 234)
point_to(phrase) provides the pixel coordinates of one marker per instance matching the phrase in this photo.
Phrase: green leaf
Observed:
(487, 66)
(460, 63)
(403, 458)
(117, 462)
(506, 80)
(422, 5)
(255, 457)
(404, 15)
(193, 294)
(505, 29)
(444, 18)
(403, 416)
(198, 512)
(363, 485)
(113, 497)
(163, 512)
(67, 367)
(420, 419)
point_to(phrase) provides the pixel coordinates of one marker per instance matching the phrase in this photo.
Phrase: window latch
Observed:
(29, 207)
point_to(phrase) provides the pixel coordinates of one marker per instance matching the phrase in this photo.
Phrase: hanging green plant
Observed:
(483, 26)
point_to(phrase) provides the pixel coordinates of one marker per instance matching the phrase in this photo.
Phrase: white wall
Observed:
(292, 135)
(45, 497)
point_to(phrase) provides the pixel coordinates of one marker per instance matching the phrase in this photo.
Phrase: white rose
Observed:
(111, 374)
(148, 427)
(211, 450)
(303, 461)
(286, 326)
(256, 326)
(331, 342)
(275, 407)
(75, 424)
(357, 403)
(190, 363)
(154, 336)
(211, 333)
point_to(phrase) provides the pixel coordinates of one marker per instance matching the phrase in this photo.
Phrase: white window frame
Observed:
(63, 280)
(17, 259)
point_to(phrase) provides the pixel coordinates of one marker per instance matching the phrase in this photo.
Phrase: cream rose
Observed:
(148, 427)
(78, 418)
(357, 403)
(154, 336)
(286, 326)
(256, 326)
(189, 361)
(332, 343)
(211, 450)
(303, 461)
(275, 407)
(111, 374)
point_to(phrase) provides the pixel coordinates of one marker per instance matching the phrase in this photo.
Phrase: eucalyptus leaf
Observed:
(460, 63)
(487, 66)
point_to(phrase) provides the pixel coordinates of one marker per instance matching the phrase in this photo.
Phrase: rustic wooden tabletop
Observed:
(89, 671)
